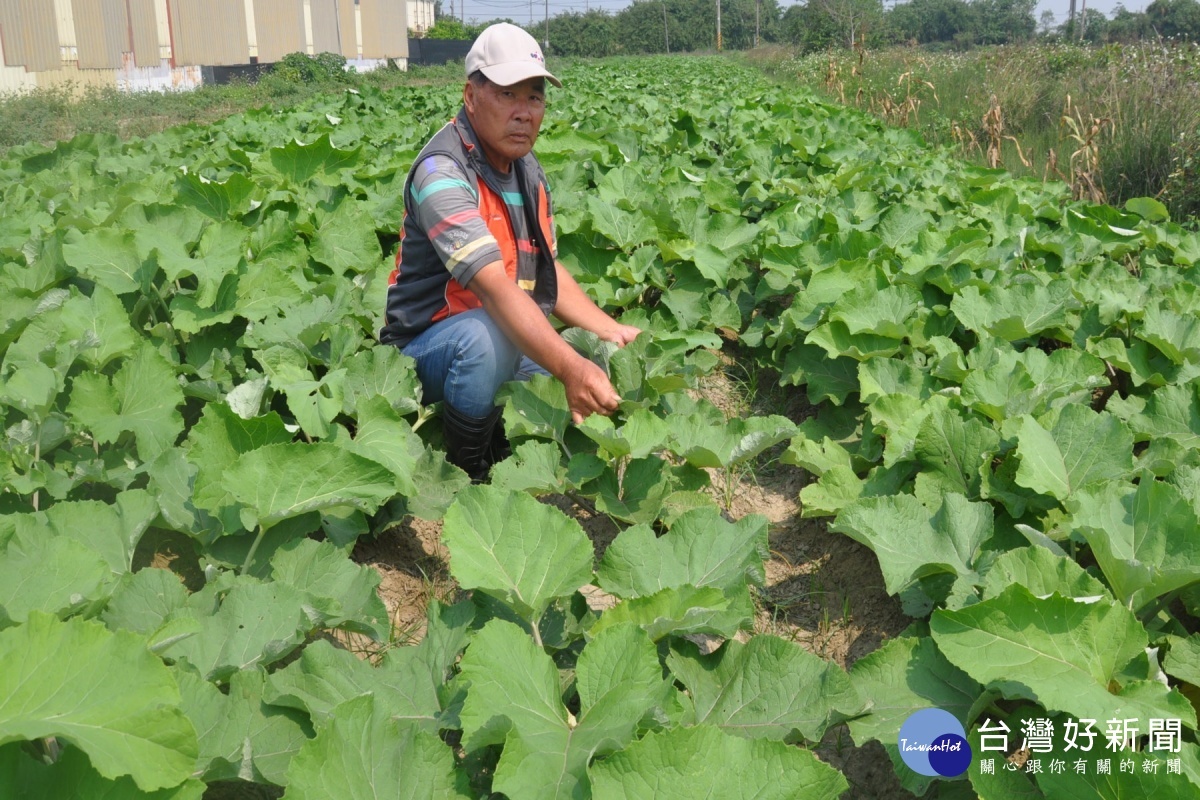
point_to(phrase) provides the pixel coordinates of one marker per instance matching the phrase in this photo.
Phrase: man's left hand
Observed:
(620, 335)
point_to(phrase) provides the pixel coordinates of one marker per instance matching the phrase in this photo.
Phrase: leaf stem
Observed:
(253, 548)
(563, 444)
(537, 634)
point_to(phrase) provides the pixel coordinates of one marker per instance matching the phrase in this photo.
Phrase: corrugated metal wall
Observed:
(279, 26)
(144, 29)
(333, 27)
(101, 32)
(209, 32)
(384, 29)
(30, 32)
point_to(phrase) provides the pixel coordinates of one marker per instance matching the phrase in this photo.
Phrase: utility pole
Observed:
(546, 44)
(757, 13)
(1083, 20)
(666, 36)
(1071, 18)
(718, 26)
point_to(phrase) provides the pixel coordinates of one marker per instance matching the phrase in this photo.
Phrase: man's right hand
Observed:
(589, 391)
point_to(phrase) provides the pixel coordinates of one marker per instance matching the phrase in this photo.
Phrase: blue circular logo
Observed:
(932, 742)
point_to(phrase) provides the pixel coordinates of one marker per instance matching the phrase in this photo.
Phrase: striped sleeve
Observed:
(447, 208)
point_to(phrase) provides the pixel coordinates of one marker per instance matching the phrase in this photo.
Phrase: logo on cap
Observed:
(537, 57)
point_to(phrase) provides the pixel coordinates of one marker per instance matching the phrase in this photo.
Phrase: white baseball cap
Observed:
(507, 54)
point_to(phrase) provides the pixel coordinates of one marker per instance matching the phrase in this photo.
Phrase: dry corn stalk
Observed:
(1084, 164)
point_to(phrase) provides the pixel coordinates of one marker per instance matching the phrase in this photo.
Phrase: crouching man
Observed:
(476, 276)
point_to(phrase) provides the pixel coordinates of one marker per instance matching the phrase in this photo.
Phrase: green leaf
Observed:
(953, 450)
(881, 312)
(534, 467)
(904, 676)
(511, 546)
(1140, 537)
(700, 549)
(341, 592)
(280, 481)
(738, 440)
(240, 736)
(219, 255)
(381, 371)
(109, 410)
(345, 240)
(111, 698)
(513, 698)
(110, 258)
(53, 575)
(768, 688)
(363, 754)
(679, 765)
(1015, 312)
(299, 163)
(638, 494)
(680, 610)
(255, 624)
(1057, 651)
(215, 443)
(625, 229)
(536, 407)
(1082, 447)
(410, 683)
(1177, 336)
(912, 543)
(73, 776)
(643, 433)
(220, 201)
(1042, 573)
(143, 600)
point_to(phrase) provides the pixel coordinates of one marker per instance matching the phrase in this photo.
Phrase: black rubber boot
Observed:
(469, 440)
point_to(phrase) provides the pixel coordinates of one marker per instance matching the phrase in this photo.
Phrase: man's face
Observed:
(506, 118)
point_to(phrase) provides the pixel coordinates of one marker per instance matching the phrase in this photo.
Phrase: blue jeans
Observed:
(462, 360)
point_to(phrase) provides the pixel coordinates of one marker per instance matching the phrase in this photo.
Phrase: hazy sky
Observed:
(520, 10)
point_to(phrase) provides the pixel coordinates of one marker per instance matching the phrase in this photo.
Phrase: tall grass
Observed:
(1114, 122)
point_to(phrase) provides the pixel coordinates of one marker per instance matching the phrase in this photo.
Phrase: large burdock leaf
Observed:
(342, 594)
(142, 398)
(1082, 447)
(103, 692)
(904, 676)
(255, 624)
(514, 699)
(519, 550)
(410, 684)
(1060, 652)
(680, 610)
(911, 541)
(73, 776)
(364, 754)
(1143, 537)
(700, 549)
(686, 763)
(300, 163)
(768, 688)
(240, 736)
(109, 257)
(280, 481)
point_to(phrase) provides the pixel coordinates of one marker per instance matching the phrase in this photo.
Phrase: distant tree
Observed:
(590, 34)
(1047, 22)
(928, 21)
(1003, 21)
(854, 19)
(1093, 26)
(810, 28)
(1128, 26)
(1175, 18)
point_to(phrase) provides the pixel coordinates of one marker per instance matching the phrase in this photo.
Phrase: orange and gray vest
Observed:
(422, 289)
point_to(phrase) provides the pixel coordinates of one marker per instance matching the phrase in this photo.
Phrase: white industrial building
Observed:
(162, 44)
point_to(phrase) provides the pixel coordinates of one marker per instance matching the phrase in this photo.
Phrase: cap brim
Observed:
(508, 74)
